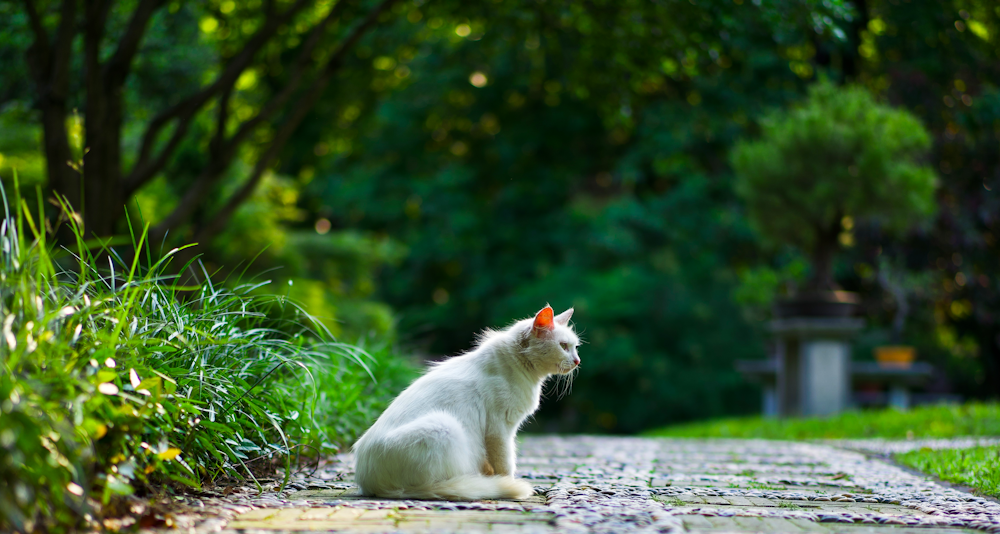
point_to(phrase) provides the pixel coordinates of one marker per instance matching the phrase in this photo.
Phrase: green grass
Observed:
(113, 380)
(978, 467)
(940, 421)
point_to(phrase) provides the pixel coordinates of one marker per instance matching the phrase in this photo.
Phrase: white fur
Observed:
(450, 435)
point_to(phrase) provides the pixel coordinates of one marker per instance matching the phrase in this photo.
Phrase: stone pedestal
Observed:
(813, 360)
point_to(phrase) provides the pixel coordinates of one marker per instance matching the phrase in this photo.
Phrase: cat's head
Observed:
(552, 343)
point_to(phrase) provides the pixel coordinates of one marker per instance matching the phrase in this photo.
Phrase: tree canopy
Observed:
(836, 159)
(465, 163)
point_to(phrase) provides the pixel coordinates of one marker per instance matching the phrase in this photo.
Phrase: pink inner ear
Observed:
(543, 319)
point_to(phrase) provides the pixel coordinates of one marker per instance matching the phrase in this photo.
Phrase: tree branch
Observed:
(41, 44)
(295, 80)
(336, 60)
(305, 104)
(116, 69)
(221, 218)
(185, 110)
(224, 150)
(218, 140)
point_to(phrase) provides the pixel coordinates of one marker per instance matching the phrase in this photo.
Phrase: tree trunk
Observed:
(62, 178)
(989, 355)
(821, 279)
(103, 202)
(852, 60)
(101, 193)
(48, 63)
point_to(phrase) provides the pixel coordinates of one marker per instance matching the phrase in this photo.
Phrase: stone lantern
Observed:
(809, 369)
(812, 360)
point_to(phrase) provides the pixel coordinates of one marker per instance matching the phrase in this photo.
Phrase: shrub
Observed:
(111, 382)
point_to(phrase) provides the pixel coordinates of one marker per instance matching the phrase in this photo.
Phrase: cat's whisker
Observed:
(564, 383)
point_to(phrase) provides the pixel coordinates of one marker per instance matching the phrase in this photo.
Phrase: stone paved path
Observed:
(602, 484)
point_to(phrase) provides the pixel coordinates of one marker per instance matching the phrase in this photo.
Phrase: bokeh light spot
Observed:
(384, 63)
(440, 296)
(478, 79)
(208, 24)
(322, 226)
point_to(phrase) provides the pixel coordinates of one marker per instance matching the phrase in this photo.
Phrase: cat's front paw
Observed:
(487, 469)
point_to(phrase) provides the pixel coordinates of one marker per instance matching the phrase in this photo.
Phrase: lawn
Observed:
(978, 467)
(937, 421)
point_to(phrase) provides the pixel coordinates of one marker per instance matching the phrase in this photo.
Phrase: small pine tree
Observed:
(838, 155)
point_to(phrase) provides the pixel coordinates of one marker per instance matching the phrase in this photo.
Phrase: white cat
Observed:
(450, 435)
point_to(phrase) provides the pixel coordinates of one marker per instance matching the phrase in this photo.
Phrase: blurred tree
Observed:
(837, 158)
(571, 155)
(565, 152)
(941, 60)
(307, 41)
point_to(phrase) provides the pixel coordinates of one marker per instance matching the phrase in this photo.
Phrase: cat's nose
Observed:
(576, 360)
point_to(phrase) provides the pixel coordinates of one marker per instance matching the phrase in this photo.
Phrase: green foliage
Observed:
(348, 406)
(839, 154)
(20, 145)
(940, 421)
(550, 180)
(978, 467)
(473, 161)
(333, 275)
(115, 379)
(760, 285)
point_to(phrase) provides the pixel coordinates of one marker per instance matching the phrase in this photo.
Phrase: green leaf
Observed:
(117, 486)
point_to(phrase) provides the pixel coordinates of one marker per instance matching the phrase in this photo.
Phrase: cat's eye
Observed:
(565, 346)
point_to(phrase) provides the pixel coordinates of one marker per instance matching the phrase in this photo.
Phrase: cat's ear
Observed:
(543, 321)
(563, 318)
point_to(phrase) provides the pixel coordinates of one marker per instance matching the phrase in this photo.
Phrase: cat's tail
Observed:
(465, 488)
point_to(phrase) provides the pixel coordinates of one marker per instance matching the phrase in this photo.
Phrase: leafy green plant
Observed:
(838, 158)
(760, 285)
(112, 381)
(347, 403)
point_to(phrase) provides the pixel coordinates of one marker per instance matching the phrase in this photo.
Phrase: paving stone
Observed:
(320, 493)
(694, 523)
(605, 484)
(887, 447)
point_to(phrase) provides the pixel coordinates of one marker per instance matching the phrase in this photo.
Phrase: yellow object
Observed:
(895, 357)
(169, 454)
